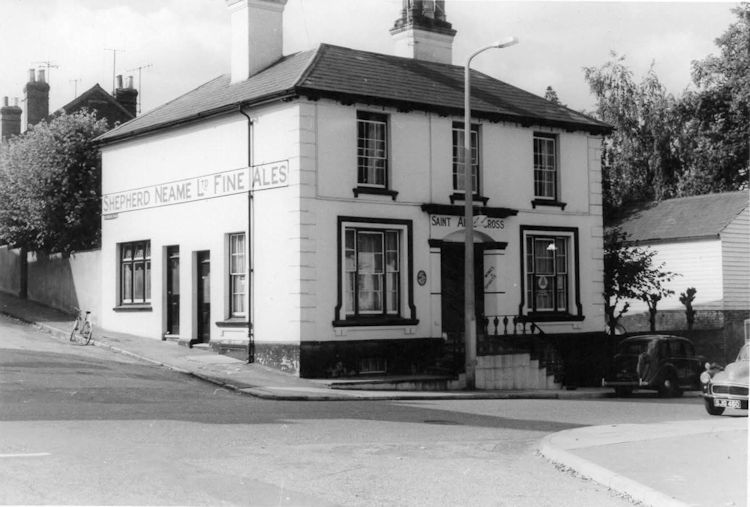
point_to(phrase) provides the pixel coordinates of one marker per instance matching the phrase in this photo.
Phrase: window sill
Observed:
(133, 308)
(375, 321)
(548, 202)
(374, 191)
(552, 317)
(233, 322)
(461, 196)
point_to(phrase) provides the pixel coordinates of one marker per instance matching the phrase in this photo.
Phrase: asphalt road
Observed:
(83, 425)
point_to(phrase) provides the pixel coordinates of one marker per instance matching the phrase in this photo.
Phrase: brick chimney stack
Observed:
(127, 95)
(257, 35)
(36, 93)
(423, 32)
(10, 120)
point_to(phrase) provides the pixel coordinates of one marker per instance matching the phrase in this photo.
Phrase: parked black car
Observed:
(665, 363)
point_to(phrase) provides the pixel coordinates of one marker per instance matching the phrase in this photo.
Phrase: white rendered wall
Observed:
(699, 263)
(213, 146)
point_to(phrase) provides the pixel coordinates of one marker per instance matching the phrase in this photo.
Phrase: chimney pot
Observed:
(5, 101)
(130, 82)
(119, 80)
(40, 74)
(32, 76)
(257, 35)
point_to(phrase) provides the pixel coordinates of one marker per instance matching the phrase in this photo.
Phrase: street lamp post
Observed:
(470, 327)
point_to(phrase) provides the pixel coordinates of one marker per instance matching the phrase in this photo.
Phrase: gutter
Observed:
(218, 111)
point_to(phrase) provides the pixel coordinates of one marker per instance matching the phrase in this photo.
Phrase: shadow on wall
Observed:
(55, 280)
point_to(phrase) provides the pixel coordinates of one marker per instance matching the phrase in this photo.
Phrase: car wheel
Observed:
(623, 392)
(668, 386)
(709, 404)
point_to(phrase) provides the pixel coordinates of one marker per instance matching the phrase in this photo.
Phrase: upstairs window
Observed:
(458, 158)
(372, 149)
(135, 272)
(545, 166)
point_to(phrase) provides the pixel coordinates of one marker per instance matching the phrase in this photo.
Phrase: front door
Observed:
(204, 296)
(173, 290)
(452, 284)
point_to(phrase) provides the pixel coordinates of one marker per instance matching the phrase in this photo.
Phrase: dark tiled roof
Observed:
(360, 76)
(97, 99)
(700, 216)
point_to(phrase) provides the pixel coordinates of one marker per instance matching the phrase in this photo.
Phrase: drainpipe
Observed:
(250, 246)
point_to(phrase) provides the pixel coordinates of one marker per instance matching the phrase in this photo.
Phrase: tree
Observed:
(687, 298)
(551, 95)
(717, 116)
(629, 273)
(639, 160)
(50, 185)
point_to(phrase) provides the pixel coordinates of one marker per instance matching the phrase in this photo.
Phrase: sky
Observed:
(181, 44)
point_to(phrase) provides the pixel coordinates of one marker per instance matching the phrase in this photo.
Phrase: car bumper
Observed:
(725, 399)
(726, 402)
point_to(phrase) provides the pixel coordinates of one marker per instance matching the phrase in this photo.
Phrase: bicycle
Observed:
(83, 329)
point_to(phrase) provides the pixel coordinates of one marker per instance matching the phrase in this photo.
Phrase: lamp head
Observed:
(510, 41)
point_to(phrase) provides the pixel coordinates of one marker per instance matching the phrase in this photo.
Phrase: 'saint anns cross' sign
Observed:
(235, 181)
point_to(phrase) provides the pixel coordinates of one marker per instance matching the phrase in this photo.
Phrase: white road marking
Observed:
(28, 455)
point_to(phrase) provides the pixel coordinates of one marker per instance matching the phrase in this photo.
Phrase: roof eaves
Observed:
(661, 241)
(405, 105)
(202, 115)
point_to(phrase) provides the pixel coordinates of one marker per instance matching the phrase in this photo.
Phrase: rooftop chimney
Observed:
(10, 120)
(257, 35)
(127, 96)
(423, 33)
(36, 94)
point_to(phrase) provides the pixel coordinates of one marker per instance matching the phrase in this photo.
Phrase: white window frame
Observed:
(546, 171)
(570, 276)
(133, 261)
(372, 161)
(348, 307)
(237, 271)
(457, 174)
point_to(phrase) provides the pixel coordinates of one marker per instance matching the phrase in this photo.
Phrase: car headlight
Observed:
(705, 377)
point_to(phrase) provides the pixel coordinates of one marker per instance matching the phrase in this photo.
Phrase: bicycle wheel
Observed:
(74, 332)
(86, 333)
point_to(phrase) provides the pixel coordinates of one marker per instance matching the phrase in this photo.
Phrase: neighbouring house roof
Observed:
(350, 76)
(101, 102)
(696, 217)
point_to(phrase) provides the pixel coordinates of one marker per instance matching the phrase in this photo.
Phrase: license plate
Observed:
(727, 403)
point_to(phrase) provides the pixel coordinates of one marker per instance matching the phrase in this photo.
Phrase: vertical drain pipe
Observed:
(250, 286)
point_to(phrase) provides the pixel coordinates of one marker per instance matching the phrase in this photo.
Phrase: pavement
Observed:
(682, 463)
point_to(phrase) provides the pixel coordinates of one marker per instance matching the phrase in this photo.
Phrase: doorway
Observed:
(452, 288)
(173, 290)
(203, 261)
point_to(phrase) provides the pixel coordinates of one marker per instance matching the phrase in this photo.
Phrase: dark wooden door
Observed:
(452, 287)
(173, 290)
(204, 296)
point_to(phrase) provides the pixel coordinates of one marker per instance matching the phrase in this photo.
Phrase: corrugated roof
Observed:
(361, 76)
(700, 216)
